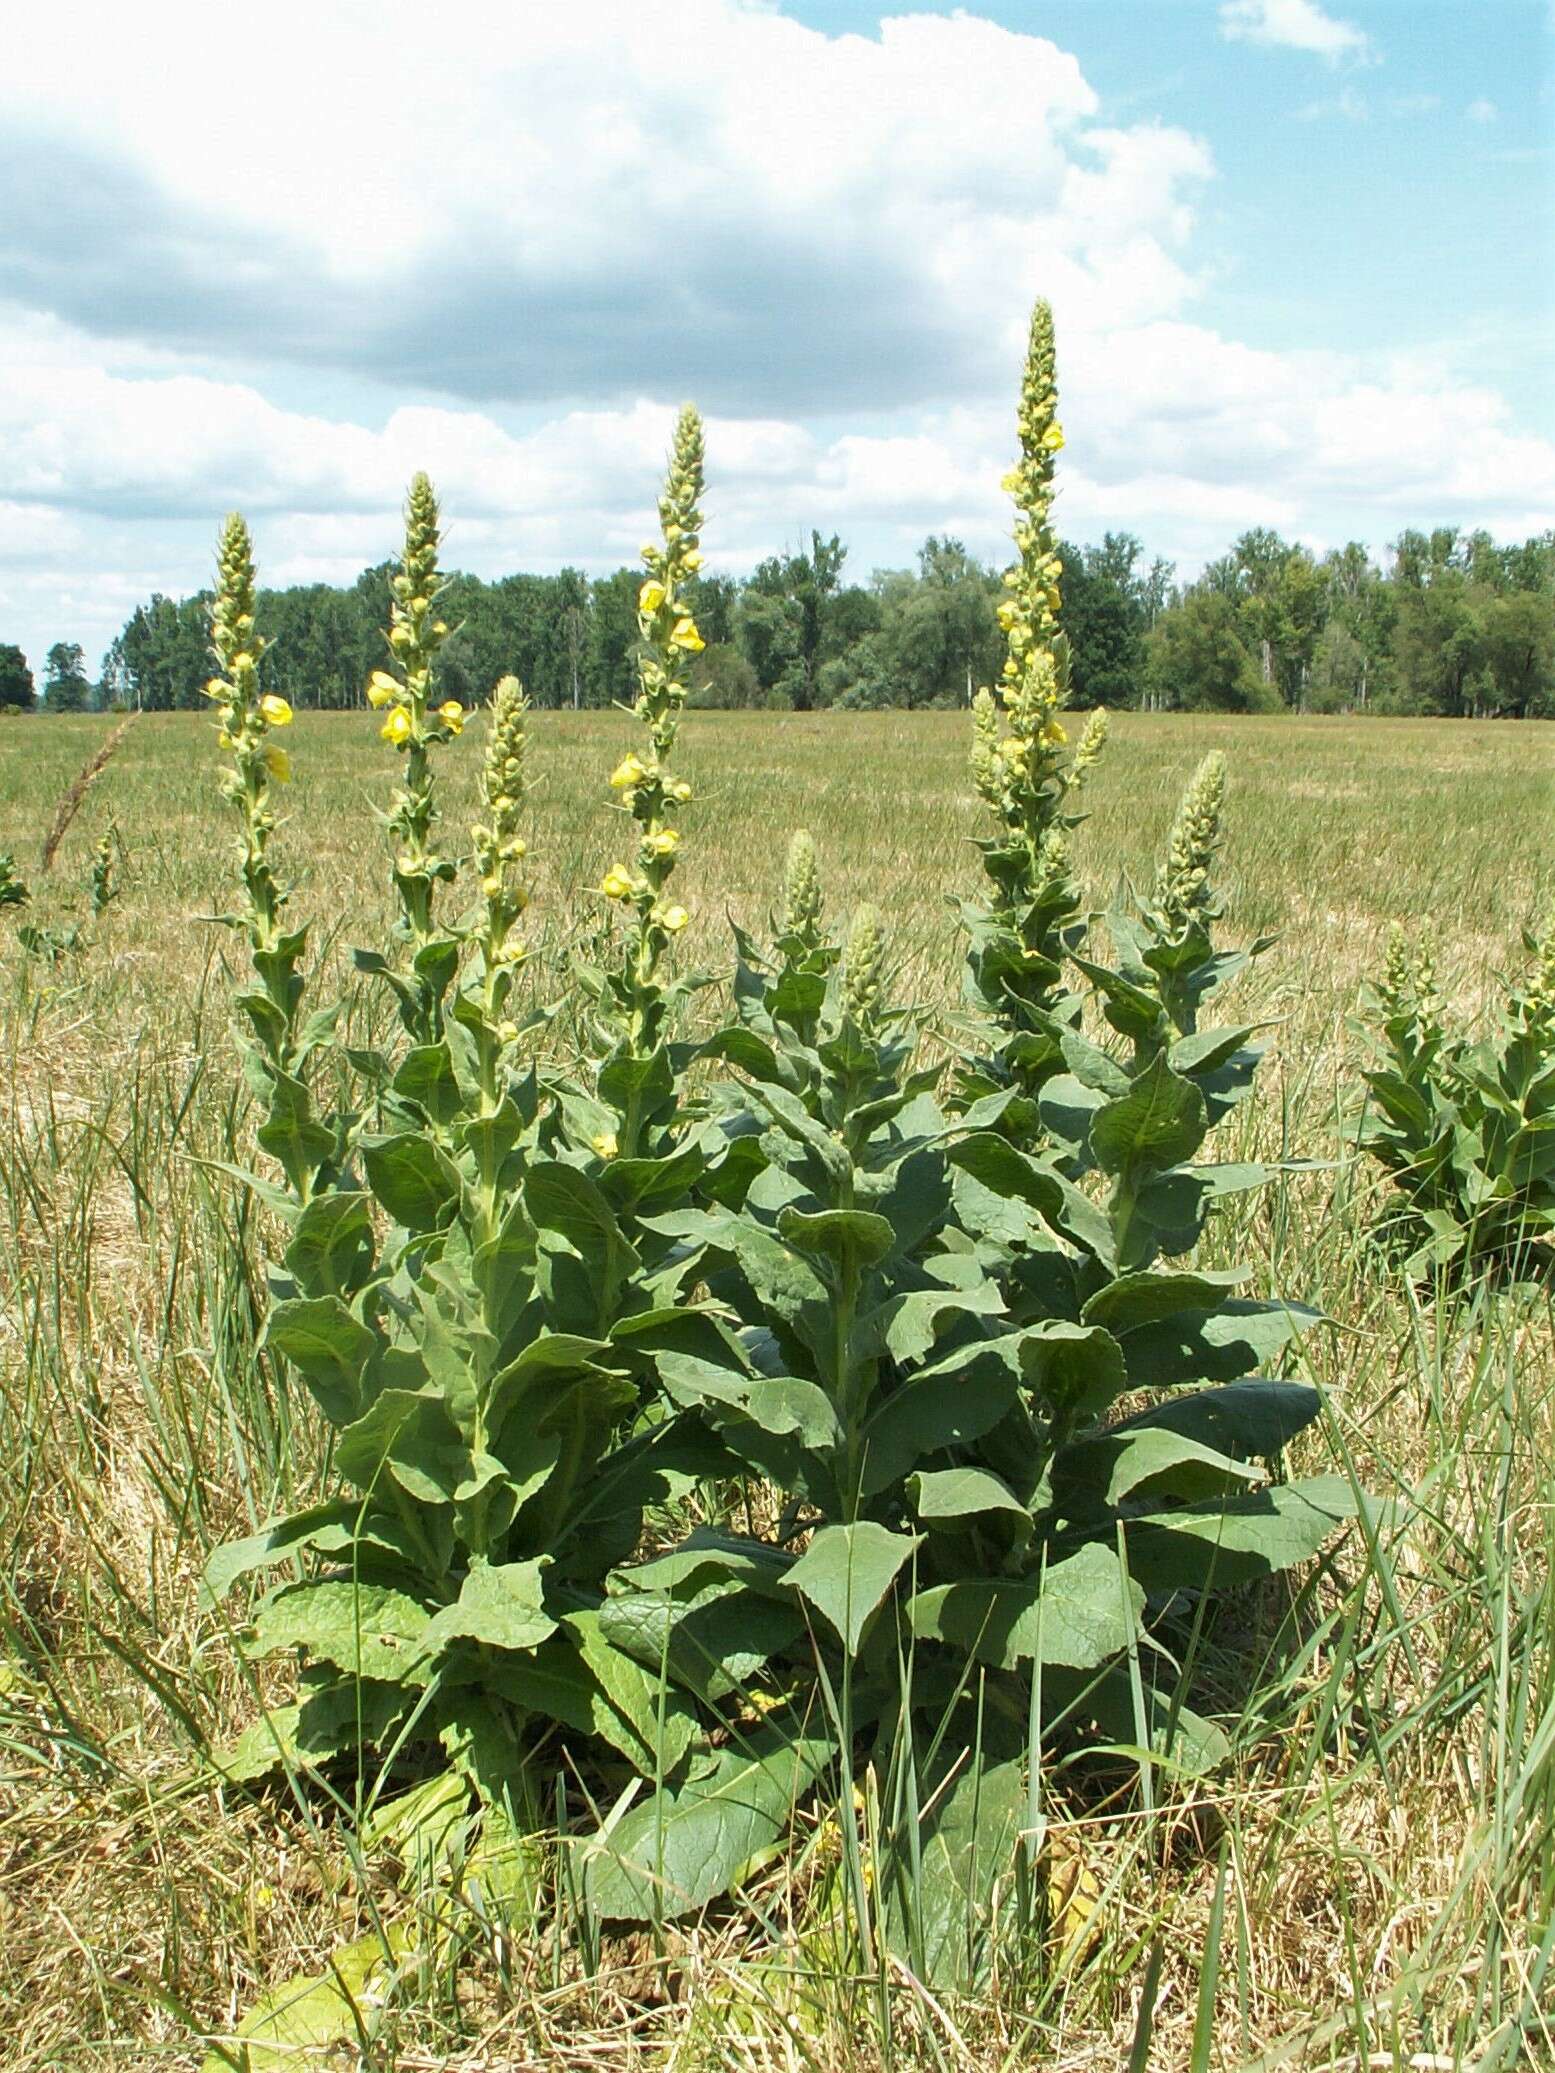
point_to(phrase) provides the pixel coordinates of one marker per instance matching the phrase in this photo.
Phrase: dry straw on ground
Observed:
(1390, 1877)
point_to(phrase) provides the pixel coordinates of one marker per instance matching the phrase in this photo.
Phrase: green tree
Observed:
(16, 685)
(65, 685)
(1196, 658)
(1517, 641)
(806, 584)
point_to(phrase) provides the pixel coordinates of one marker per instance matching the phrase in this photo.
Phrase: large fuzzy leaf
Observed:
(365, 1629)
(415, 1182)
(1254, 1419)
(1079, 1614)
(1098, 1472)
(1238, 1541)
(282, 1538)
(1159, 1123)
(846, 1572)
(499, 1605)
(952, 1403)
(684, 1847)
(713, 1644)
(1219, 1345)
(328, 1346)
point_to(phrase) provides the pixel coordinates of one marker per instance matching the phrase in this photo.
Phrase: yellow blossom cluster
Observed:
(415, 635)
(1019, 760)
(668, 638)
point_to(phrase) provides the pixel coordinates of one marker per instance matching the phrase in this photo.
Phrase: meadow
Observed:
(1370, 1882)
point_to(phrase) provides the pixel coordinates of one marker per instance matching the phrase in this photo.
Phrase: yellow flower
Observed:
(382, 689)
(216, 688)
(515, 952)
(628, 772)
(1055, 732)
(491, 884)
(440, 627)
(396, 727)
(685, 635)
(508, 1032)
(275, 710)
(1008, 613)
(693, 560)
(673, 919)
(279, 765)
(401, 637)
(605, 1144)
(663, 842)
(243, 661)
(451, 713)
(650, 597)
(1053, 438)
(680, 790)
(616, 883)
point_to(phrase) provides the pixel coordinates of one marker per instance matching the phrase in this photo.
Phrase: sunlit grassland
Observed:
(1391, 1878)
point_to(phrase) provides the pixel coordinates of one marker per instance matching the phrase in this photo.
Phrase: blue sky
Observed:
(1300, 254)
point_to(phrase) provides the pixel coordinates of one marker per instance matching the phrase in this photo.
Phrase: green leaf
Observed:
(367, 1630)
(407, 1426)
(328, 1346)
(1135, 1299)
(1253, 1420)
(1160, 1122)
(331, 1249)
(1082, 1612)
(1219, 1345)
(290, 2025)
(1010, 1174)
(683, 1848)
(950, 1404)
(839, 1235)
(1240, 1540)
(499, 1605)
(275, 1543)
(415, 1182)
(713, 1644)
(560, 1199)
(942, 1920)
(1097, 1472)
(1174, 1734)
(846, 1572)
(780, 1404)
(963, 1493)
(657, 1720)
(427, 1078)
(1076, 1369)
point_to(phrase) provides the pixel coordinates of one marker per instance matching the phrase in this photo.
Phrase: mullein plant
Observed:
(638, 1114)
(415, 724)
(1028, 774)
(1465, 1129)
(470, 1319)
(280, 1042)
(931, 1327)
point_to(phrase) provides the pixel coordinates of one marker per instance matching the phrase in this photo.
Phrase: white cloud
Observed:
(1482, 110)
(510, 273)
(1293, 25)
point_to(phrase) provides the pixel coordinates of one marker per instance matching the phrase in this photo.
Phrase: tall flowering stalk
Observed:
(650, 794)
(278, 1039)
(413, 724)
(1028, 775)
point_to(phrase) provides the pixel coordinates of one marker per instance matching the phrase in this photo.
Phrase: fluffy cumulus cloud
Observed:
(1294, 25)
(282, 270)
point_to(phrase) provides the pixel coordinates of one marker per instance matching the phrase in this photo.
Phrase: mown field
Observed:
(1389, 1898)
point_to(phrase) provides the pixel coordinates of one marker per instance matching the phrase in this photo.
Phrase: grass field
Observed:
(1390, 1892)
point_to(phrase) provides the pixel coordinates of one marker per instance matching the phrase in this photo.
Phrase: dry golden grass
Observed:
(1391, 1881)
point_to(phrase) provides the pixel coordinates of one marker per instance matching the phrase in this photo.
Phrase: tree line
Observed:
(1454, 624)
